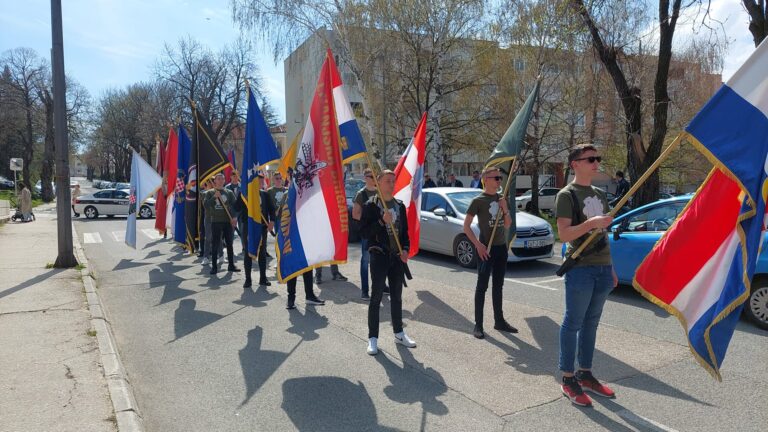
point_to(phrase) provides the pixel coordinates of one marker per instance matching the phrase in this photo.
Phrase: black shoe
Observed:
(77, 214)
(290, 305)
(247, 283)
(213, 270)
(340, 277)
(315, 301)
(505, 327)
(478, 332)
(265, 282)
(232, 268)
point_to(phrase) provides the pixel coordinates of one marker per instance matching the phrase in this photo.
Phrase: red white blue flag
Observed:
(352, 144)
(409, 179)
(312, 226)
(701, 270)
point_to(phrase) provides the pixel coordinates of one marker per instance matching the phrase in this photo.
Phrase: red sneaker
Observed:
(589, 383)
(572, 390)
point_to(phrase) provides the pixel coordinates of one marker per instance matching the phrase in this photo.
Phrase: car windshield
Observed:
(461, 200)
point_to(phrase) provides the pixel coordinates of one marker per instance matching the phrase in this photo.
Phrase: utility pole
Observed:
(66, 257)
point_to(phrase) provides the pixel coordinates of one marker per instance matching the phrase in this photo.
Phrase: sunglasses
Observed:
(591, 159)
(497, 178)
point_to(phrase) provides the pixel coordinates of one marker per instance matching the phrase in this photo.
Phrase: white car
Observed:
(442, 228)
(111, 202)
(546, 200)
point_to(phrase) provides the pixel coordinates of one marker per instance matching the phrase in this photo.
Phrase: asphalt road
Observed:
(204, 354)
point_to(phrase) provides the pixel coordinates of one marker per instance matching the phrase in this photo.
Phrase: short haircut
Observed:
(21, 184)
(490, 169)
(367, 171)
(386, 172)
(276, 173)
(219, 174)
(619, 174)
(475, 172)
(579, 150)
(452, 174)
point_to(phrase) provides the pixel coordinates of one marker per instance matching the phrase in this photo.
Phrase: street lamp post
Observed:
(66, 257)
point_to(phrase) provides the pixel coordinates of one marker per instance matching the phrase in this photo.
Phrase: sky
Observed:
(114, 43)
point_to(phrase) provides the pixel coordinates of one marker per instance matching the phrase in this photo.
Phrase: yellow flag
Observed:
(289, 158)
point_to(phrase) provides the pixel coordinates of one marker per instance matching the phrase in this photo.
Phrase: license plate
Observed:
(535, 243)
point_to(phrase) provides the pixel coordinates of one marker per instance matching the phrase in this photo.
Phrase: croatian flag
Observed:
(312, 226)
(409, 178)
(702, 269)
(352, 144)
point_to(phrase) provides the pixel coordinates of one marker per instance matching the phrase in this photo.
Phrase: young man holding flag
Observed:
(218, 204)
(362, 197)
(492, 260)
(580, 209)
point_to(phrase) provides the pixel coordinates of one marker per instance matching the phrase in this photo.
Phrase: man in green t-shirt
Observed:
(218, 203)
(362, 197)
(276, 191)
(580, 209)
(488, 207)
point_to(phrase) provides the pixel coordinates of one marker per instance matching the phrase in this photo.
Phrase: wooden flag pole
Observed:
(571, 260)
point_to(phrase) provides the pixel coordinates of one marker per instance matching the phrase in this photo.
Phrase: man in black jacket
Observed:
(376, 223)
(268, 217)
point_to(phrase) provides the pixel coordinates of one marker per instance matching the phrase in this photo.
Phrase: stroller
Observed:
(17, 216)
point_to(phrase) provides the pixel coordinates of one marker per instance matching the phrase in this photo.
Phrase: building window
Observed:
(519, 65)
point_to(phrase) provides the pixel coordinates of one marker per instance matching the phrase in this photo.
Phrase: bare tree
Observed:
(758, 19)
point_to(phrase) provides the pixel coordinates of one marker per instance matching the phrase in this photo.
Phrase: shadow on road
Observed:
(257, 298)
(306, 325)
(29, 282)
(331, 404)
(257, 364)
(187, 320)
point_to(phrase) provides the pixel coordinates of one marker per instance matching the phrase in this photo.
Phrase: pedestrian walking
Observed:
(218, 204)
(492, 261)
(378, 219)
(580, 209)
(25, 202)
(75, 195)
(361, 198)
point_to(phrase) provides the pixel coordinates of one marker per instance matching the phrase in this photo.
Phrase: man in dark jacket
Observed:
(376, 226)
(219, 205)
(267, 224)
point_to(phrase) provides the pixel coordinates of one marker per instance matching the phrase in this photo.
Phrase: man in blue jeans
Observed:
(580, 209)
(362, 197)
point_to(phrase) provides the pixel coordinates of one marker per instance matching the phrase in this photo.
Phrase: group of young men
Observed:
(383, 226)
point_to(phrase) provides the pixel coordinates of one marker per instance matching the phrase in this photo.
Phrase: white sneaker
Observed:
(206, 261)
(373, 346)
(404, 340)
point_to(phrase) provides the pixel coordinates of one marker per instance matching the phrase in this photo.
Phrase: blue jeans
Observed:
(365, 259)
(586, 289)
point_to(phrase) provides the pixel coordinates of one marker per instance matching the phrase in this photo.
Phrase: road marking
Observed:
(558, 279)
(151, 233)
(530, 283)
(643, 422)
(91, 238)
(118, 235)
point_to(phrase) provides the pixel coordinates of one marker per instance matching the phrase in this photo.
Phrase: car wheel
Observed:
(529, 207)
(91, 212)
(145, 212)
(756, 308)
(464, 251)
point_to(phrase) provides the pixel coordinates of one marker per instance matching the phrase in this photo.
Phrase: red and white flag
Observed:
(409, 178)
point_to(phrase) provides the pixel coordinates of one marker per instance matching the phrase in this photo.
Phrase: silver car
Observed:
(111, 202)
(442, 228)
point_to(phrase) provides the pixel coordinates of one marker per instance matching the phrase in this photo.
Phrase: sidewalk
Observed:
(51, 377)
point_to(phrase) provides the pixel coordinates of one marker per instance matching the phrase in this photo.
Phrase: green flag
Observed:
(508, 149)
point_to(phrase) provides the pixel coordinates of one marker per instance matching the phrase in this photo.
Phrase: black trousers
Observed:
(495, 266)
(308, 291)
(262, 256)
(219, 229)
(383, 267)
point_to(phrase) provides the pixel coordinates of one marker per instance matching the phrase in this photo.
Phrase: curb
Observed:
(120, 390)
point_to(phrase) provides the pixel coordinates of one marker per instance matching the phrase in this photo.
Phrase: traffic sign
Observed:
(17, 164)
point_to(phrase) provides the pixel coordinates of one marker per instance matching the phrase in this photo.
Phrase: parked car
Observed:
(39, 187)
(546, 200)
(121, 186)
(6, 183)
(442, 228)
(111, 202)
(635, 233)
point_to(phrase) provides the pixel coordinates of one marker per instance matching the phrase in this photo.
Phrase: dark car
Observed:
(6, 183)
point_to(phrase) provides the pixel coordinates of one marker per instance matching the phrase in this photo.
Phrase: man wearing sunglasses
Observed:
(492, 261)
(580, 209)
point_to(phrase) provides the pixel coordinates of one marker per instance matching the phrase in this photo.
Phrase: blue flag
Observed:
(180, 232)
(145, 181)
(258, 150)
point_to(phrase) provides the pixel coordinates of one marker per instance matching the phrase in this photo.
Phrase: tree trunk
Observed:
(758, 21)
(29, 146)
(46, 172)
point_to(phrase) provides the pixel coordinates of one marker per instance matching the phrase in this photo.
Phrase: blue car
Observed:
(634, 234)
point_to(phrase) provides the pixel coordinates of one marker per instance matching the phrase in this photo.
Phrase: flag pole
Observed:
(571, 260)
(504, 194)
